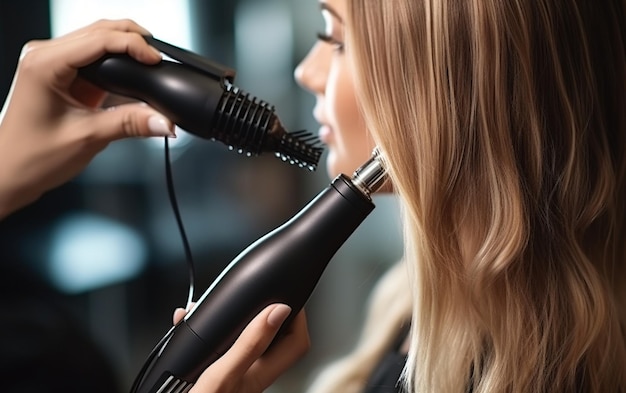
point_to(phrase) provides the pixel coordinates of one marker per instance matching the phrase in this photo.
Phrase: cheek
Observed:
(352, 144)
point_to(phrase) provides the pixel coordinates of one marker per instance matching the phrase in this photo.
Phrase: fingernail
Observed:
(160, 126)
(156, 52)
(278, 315)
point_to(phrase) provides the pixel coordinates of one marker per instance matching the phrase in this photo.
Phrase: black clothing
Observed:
(386, 374)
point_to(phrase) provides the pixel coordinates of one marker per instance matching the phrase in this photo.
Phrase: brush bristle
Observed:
(251, 126)
(300, 148)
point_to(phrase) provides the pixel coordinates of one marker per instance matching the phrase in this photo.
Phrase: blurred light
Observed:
(183, 139)
(167, 20)
(264, 42)
(88, 252)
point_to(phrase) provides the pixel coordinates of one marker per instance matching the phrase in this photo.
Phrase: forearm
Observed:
(15, 190)
(14, 194)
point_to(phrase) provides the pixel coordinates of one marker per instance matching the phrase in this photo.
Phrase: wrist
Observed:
(13, 195)
(6, 207)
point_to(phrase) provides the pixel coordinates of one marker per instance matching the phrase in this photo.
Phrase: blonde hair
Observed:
(504, 126)
(388, 313)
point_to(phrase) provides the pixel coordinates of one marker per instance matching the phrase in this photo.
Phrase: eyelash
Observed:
(330, 40)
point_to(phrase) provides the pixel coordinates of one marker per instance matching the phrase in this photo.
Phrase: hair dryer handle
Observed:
(185, 95)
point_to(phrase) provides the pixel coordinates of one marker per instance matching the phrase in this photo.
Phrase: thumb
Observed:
(132, 120)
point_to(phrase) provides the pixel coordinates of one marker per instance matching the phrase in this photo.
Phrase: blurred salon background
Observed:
(91, 273)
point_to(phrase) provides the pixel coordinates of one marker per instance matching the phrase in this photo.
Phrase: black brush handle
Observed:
(185, 95)
(205, 105)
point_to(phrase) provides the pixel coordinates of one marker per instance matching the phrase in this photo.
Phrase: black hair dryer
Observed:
(284, 266)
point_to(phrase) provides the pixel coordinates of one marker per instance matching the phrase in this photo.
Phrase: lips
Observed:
(325, 133)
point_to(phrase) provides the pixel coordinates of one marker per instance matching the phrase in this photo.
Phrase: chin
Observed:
(331, 170)
(335, 165)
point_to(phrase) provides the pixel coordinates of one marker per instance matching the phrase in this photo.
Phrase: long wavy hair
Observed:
(504, 127)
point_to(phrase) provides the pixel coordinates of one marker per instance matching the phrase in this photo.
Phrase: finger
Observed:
(122, 25)
(250, 345)
(86, 48)
(129, 120)
(282, 354)
(180, 312)
(58, 61)
(83, 46)
(127, 25)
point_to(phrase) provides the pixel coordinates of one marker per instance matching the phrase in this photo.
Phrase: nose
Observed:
(312, 72)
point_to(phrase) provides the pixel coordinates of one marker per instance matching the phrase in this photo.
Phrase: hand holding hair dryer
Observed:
(284, 266)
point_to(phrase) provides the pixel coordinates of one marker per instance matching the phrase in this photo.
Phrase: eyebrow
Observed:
(325, 7)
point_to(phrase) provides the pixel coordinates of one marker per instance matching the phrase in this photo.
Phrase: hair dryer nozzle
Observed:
(371, 176)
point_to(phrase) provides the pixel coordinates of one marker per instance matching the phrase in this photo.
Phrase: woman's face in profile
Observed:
(326, 73)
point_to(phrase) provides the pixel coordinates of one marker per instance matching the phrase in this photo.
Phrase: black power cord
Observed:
(179, 221)
(172, 196)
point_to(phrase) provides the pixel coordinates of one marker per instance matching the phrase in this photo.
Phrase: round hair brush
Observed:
(198, 95)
